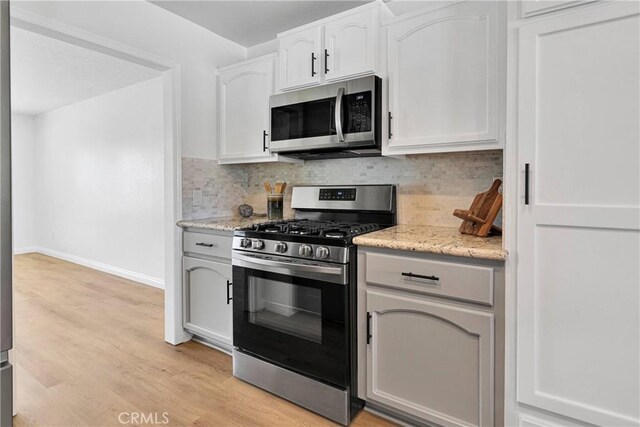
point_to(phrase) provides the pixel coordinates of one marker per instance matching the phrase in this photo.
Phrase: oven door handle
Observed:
(337, 274)
(338, 114)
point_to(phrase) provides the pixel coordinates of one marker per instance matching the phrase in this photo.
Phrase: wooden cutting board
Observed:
(478, 219)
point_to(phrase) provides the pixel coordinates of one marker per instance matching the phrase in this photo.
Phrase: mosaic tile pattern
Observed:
(430, 186)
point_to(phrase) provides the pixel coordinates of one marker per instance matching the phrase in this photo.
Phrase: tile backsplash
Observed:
(430, 186)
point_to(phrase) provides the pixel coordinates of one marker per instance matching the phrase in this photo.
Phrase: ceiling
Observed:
(249, 23)
(47, 73)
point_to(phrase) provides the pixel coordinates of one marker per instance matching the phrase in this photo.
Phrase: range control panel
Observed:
(338, 194)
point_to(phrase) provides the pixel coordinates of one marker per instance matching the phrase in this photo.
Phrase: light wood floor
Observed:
(89, 346)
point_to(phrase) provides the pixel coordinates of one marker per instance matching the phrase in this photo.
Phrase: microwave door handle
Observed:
(338, 113)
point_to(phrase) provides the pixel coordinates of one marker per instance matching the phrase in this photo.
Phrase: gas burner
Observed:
(311, 229)
(335, 234)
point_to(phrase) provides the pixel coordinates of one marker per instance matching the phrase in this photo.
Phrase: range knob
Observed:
(257, 244)
(281, 247)
(305, 250)
(245, 243)
(322, 252)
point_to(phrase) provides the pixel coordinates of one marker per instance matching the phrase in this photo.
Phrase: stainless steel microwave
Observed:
(331, 121)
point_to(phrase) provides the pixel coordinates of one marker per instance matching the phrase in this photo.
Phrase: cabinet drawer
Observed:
(207, 244)
(458, 281)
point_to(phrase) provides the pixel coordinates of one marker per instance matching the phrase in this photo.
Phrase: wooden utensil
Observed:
(280, 186)
(267, 187)
(479, 218)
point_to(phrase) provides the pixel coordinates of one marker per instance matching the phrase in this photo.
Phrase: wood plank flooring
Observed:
(89, 346)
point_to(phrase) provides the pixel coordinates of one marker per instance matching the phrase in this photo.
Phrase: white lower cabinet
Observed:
(208, 309)
(432, 330)
(431, 360)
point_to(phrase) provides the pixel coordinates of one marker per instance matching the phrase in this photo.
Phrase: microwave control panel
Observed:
(358, 110)
(348, 194)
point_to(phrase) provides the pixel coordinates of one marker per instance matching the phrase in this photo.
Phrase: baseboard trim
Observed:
(106, 268)
(25, 250)
(210, 344)
(394, 416)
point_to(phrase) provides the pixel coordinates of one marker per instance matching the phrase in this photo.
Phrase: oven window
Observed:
(286, 308)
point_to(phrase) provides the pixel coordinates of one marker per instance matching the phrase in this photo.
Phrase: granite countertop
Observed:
(436, 240)
(223, 224)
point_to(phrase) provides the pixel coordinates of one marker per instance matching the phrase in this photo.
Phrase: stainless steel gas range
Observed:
(294, 297)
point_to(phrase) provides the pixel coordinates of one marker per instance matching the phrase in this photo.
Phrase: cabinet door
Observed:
(579, 220)
(300, 59)
(537, 7)
(350, 46)
(244, 110)
(444, 73)
(431, 360)
(207, 304)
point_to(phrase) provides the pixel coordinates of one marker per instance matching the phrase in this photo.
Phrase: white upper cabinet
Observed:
(350, 45)
(537, 7)
(243, 111)
(342, 46)
(300, 58)
(446, 79)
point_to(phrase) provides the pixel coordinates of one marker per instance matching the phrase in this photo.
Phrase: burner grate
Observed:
(305, 227)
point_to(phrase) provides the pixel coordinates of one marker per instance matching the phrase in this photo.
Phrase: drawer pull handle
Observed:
(264, 140)
(326, 61)
(229, 297)
(206, 245)
(420, 276)
(526, 183)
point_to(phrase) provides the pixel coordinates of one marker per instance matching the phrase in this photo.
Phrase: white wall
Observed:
(145, 26)
(99, 186)
(23, 182)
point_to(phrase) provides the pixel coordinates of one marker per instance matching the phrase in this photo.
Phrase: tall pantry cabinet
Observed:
(578, 216)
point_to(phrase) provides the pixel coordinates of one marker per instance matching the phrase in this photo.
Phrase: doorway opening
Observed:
(96, 166)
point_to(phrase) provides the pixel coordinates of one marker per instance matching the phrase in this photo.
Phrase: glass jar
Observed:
(275, 206)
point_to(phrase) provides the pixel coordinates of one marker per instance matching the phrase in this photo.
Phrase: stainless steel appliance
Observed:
(294, 297)
(6, 248)
(331, 121)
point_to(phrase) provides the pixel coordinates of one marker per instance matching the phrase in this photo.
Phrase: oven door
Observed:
(294, 316)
